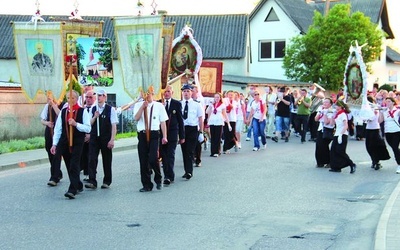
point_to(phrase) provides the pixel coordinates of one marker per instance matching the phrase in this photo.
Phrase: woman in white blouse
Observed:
(324, 116)
(217, 117)
(339, 158)
(390, 116)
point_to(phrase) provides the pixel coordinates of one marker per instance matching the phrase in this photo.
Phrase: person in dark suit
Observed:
(175, 129)
(76, 118)
(102, 136)
(90, 99)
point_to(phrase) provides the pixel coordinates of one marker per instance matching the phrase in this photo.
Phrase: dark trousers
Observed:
(72, 160)
(339, 157)
(295, 124)
(148, 158)
(360, 131)
(85, 158)
(393, 139)
(216, 134)
(191, 136)
(229, 136)
(302, 121)
(95, 146)
(54, 160)
(167, 152)
(313, 125)
(322, 152)
(197, 152)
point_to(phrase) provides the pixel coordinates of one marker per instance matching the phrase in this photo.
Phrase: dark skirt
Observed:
(339, 157)
(376, 146)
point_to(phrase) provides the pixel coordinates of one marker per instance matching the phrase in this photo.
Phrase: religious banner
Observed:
(95, 61)
(355, 84)
(187, 56)
(39, 56)
(168, 37)
(139, 41)
(71, 31)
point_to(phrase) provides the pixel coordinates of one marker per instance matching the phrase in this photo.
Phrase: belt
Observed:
(144, 131)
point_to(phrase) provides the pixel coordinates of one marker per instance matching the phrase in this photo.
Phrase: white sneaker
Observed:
(227, 152)
(398, 170)
(255, 149)
(247, 138)
(264, 146)
(239, 145)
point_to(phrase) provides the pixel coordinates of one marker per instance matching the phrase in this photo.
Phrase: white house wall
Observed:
(284, 29)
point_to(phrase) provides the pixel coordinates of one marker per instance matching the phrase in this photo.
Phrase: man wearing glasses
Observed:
(90, 99)
(102, 136)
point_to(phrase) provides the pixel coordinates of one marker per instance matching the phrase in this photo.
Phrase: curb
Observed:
(31, 163)
(381, 229)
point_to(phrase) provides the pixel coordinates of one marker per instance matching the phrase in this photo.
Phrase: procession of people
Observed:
(164, 124)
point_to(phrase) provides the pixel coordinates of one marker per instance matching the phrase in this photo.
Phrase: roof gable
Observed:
(219, 36)
(302, 13)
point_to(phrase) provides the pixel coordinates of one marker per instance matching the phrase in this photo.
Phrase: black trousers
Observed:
(393, 139)
(97, 145)
(148, 158)
(72, 160)
(229, 136)
(197, 152)
(322, 152)
(85, 158)
(216, 134)
(302, 121)
(167, 152)
(191, 136)
(313, 125)
(54, 160)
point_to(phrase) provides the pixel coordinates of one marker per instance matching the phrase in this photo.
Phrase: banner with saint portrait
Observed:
(140, 47)
(168, 37)
(39, 57)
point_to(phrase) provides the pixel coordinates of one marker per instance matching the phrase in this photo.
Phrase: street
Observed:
(270, 199)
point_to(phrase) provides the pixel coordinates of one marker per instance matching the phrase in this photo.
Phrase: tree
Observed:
(321, 54)
(103, 47)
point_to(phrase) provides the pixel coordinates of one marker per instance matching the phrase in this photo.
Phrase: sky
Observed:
(127, 7)
(173, 7)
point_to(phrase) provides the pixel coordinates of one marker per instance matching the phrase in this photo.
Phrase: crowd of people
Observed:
(80, 129)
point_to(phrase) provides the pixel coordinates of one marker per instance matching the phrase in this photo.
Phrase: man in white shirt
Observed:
(151, 116)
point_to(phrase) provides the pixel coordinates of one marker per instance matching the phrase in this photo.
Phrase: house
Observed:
(274, 22)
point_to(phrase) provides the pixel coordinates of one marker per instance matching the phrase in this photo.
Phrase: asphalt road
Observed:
(271, 199)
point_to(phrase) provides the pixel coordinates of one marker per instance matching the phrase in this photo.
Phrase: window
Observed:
(112, 99)
(271, 49)
(272, 16)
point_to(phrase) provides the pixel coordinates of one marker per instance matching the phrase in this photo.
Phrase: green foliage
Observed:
(387, 87)
(125, 135)
(321, 54)
(21, 145)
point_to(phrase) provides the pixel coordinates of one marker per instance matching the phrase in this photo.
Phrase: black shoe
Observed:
(80, 190)
(105, 186)
(335, 170)
(90, 185)
(373, 165)
(287, 139)
(378, 166)
(184, 176)
(275, 139)
(69, 195)
(167, 182)
(320, 165)
(353, 168)
(145, 190)
(158, 186)
(268, 137)
(188, 176)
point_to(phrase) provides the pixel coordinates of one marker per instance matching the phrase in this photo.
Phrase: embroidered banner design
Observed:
(139, 41)
(39, 57)
(168, 37)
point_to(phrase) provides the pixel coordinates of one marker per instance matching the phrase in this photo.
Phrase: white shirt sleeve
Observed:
(113, 116)
(85, 126)
(43, 114)
(57, 130)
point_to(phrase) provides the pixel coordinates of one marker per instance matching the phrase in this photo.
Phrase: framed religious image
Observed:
(95, 61)
(184, 56)
(210, 77)
(354, 80)
(40, 54)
